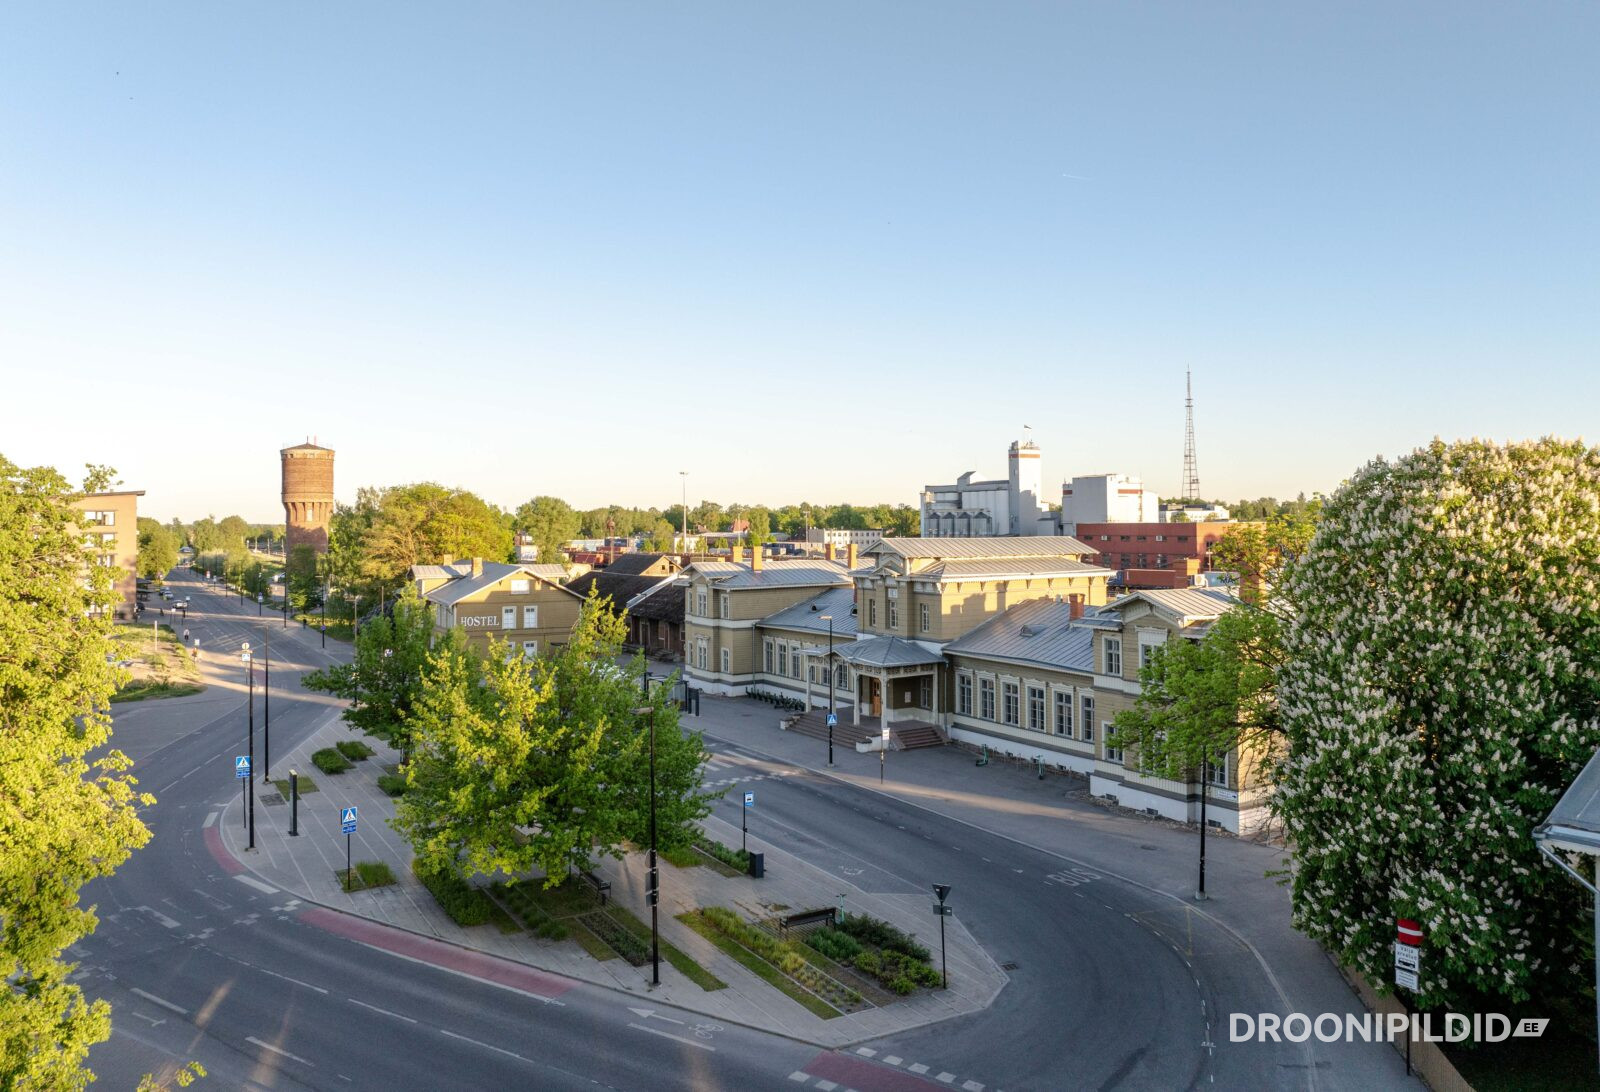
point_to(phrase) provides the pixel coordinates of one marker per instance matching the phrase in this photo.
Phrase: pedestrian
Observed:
(186, 634)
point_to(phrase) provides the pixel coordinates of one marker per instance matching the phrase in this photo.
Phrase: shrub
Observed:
(870, 930)
(733, 858)
(837, 946)
(900, 984)
(374, 873)
(392, 784)
(354, 749)
(330, 761)
(465, 904)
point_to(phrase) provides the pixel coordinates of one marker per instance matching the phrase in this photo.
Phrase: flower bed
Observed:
(783, 956)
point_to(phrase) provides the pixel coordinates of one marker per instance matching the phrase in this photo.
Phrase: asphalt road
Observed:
(201, 965)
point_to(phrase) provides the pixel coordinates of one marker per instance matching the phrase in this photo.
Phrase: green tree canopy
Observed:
(422, 524)
(1441, 688)
(537, 764)
(551, 522)
(64, 818)
(385, 681)
(232, 530)
(158, 549)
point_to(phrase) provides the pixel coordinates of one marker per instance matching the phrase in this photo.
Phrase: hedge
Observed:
(330, 761)
(465, 904)
(354, 749)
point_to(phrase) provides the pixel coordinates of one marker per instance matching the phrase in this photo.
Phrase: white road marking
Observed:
(945, 1077)
(646, 1014)
(159, 916)
(296, 981)
(676, 1038)
(866, 1052)
(278, 1050)
(463, 974)
(210, 820)
(973, 1086)
(153, 1022)
(826, 1086)
(251, 881)
(917, 1067)
(486, 1046)
(893, 1059)
(797, 1075)
(154, 1000)
(385, 1012)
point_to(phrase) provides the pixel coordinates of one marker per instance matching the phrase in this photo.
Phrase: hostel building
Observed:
(527, 606)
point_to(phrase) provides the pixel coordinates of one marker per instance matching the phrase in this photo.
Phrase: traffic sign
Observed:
(241, 766)
(945, 910)
(1407, 958)
(749, 799)
(347, 820)
(1408, 979)
(833, 721)
(886, 733)
(1408, 932)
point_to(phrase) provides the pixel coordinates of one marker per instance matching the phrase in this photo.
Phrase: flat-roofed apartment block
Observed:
(109, 523)
(1046, 679)
(527, 606)
(724, 601)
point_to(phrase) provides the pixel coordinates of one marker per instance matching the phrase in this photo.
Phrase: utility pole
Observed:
(653, 881)
(683, 506)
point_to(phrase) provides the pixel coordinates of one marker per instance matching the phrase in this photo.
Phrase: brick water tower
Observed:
(307, 496)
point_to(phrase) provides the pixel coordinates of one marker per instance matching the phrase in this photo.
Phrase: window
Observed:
(1147, 651)
(1113, 754)
(1113, 655)
(530, 617)
(964, 694)
(700, 653)
(794, 662)
(766, 657)
(508, 617)
(894, 614)
(986, 699)
(925, 693)
(722, 605)
(727, 660)
(1087, 722)
(530, 649)
(783, 657)
(924, 616)
(1036, 708)
(1063, 712)
(841, 679)
(1217, 773)
(700, 602)
(521, 587)
(872, 613)
(1010, 703)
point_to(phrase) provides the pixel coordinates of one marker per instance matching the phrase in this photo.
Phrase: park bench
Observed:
(600, 886)
(807, 920)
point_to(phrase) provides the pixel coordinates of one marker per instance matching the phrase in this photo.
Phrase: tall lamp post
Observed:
(259, 607)
(831, 718)
(266, 702)
(653, 880)
(1205, 778)
(322, 614)
(683, 508)
(250, 808)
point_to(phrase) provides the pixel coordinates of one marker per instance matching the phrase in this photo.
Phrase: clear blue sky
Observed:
(804, 251)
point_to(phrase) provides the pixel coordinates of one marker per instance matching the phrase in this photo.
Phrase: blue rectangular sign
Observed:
(241, 766)
(749, 799)
(347, 820)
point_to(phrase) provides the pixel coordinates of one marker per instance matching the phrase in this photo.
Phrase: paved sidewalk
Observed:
(311, 866)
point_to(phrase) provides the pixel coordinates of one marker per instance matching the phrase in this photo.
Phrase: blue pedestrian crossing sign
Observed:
(749, 799)
(241, 766)
(347, 820)
(833, 721)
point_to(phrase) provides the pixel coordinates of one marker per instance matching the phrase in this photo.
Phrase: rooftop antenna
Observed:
(1191, 472)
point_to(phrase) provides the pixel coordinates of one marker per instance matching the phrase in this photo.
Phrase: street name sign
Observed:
(241, 766)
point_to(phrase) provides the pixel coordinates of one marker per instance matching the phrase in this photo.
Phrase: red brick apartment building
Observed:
(1154, 555)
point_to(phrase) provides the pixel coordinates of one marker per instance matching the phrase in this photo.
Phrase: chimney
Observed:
(477, 566)
(828, 551)
(448, 559)
(755, 559)
(850, 556)
(1074, 606)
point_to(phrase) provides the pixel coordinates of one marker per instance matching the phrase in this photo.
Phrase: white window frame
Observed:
(872, 613)
(722, 605)
(530, 616)
(986, 698)
(1062, 701)
(700, 602)
(1011, 703)
(1036, 723)
(924, 616)
(530, 649)
(1113, 754)
(964, 693)
(508, 618)
(727, 660)
(1086, 717)
(783, 657)
(1214, 769)
(768, 654)
(701, 647)
(1112, 649)
(521, 586)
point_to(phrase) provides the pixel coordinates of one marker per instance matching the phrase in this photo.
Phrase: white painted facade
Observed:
(1107, 498)
(982, 509)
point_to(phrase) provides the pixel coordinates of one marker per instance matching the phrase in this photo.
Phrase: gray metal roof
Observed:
(1574, 823)
(1041, 631)
(773, 574)
(991, 547)
(1196, 604)
(839, 602)
(1007, 568)
(886, 652)
(465, 584)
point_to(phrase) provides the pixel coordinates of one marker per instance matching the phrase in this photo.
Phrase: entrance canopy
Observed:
(873, 653)
(1574, 823)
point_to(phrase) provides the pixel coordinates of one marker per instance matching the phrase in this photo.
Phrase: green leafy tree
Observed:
(422, 524)
(158, 549)
(233, 531)
(1260, 551)
(1440, 690)
(538, 764)
(386, 679)
(65, 818)
(99, 478)
(204, 536)
(302, 577)
(551, 522)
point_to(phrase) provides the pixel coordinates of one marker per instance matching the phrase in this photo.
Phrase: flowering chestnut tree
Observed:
(1441, 688)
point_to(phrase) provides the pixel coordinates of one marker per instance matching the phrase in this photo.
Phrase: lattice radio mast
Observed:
(1191, 472)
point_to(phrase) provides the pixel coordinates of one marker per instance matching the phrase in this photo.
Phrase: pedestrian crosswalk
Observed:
(741, 779)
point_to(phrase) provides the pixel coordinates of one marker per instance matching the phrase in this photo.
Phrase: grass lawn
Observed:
(534, 904)
(305, 782)
(682, 858)
(673, 955)
(766, 971)
(162, 667)
(367, 874)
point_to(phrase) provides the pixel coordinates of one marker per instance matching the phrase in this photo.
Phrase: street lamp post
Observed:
(294, 804)
(1200, 891)
(653, 882)
(683, 508)
(250, 807)
(266, 703)
(259, 599)
(322, 615)
(831, 718)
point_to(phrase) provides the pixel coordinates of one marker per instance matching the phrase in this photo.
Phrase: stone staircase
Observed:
(903, 736)
(913, 735)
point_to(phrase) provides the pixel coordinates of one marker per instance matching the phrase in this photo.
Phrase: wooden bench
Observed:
(600, 886)
(807, 920)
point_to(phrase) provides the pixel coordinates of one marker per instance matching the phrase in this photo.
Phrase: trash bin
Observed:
(758, 865)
